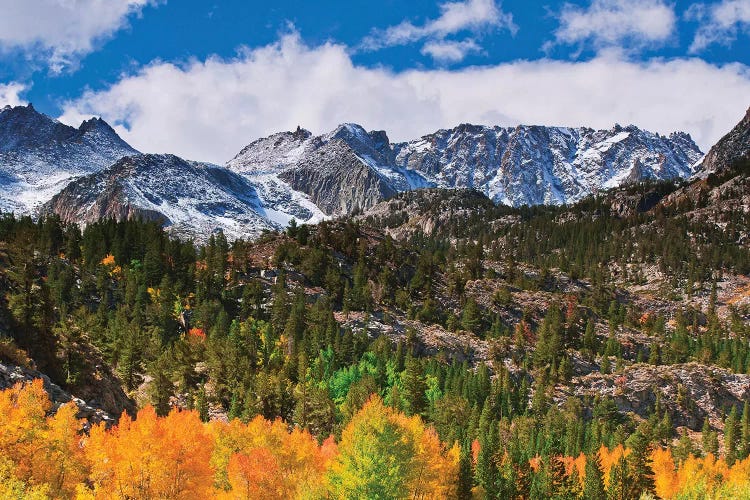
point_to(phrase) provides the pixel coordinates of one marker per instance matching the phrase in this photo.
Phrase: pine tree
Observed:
(541, 483)
(486, 470)
(201, 404)
(639, 471)
(744, 447)
(161, 387)
(730, 436)
(471, 317)
(709, 439)
(684, 448)
(414, 387)
(465, 473)
(593, 483)
(619, 483)
(589, 338)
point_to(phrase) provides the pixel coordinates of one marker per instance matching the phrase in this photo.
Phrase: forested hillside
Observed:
(595, 351)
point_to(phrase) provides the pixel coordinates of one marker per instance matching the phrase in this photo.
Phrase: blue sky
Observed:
(203, 78)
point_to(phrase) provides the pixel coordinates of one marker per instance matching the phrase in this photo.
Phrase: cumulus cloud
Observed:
(720, 22)
(61, 31)
(616, 23)
(455, 17)
(10, 94)
(208, 110)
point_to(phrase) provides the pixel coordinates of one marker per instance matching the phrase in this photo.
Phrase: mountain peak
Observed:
(39, 155)
(349, 131)
(731, 149)
(97, 124)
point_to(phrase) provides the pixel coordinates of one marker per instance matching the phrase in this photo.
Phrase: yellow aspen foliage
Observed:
(435, 468)
(299, 463)
(22, 420)
(254, 475)
(665, 475)
(739, 474)
(42, 450)
(12, 487)
(384, 454)
(151, 457)
(61, 462)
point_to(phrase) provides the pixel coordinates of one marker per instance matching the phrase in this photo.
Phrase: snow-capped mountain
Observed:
(191, 199)
(533, 165)
(350, 168)
(92, 173)
(39, 156)
(337, 172)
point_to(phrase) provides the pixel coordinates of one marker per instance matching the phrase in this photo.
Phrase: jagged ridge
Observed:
(525, 165)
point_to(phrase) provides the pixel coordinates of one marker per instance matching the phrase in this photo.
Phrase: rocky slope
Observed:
(94, 410)
(722, 190)
(337, 180)
(731, 149)
(191, 199)
(338, 172)
(689, 392)
(430, 211)
(39, 156)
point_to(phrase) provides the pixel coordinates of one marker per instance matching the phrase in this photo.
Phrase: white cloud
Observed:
(208, 110)
(10, 94)
(617, 23)
(720, 22)
(61, 31)
(448, 51)
(455, 17)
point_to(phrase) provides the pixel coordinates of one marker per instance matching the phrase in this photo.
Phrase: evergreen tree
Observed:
(593, 483)
(471, 317)
(709, 439)
(619, 481)
(465, 474)
(744, 446)
(731, 425)
(414, 387)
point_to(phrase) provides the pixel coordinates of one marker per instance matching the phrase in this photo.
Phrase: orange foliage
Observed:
(475, 449)
(253, 475)
(665, 475)
(151, 457)
(329, 449)
(197, 334)
(44, 450)
(299, 463)
(178, 456)
(109, 260)
(578, 463)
